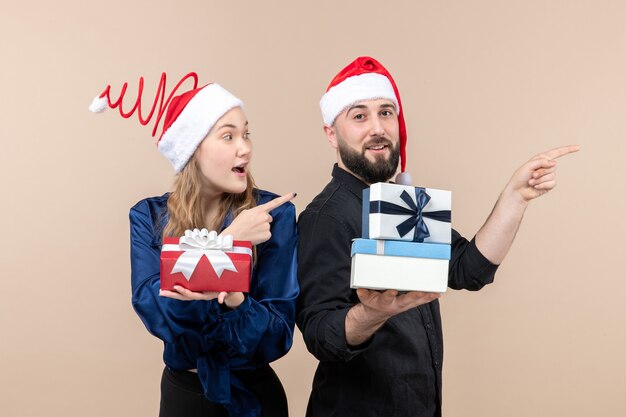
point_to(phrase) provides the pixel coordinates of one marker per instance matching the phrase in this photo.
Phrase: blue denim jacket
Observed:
(205, 335)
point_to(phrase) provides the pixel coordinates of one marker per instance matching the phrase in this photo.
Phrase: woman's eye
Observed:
(227, 136)
(247, 135)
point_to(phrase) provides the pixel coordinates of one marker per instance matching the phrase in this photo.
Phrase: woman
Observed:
(217, 346)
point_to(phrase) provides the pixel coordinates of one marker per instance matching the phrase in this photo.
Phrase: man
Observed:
(381, 353)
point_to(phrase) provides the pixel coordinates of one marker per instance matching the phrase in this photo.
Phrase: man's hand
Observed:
(538, 176)
(376, 308)
(254, 224)
(387, 304)
(533, 179)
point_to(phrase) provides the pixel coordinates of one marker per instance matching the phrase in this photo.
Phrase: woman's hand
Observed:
(254, 224)
(230, 299)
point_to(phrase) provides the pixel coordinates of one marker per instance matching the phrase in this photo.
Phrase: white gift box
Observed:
(403, 266)
(403, 212)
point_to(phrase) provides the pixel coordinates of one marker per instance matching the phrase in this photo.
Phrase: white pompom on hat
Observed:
(188, 117)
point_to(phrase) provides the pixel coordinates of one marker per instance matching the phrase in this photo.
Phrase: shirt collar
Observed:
(348, 180)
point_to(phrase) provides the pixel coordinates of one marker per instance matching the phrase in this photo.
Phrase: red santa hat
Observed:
(363, 79)
(188, 117)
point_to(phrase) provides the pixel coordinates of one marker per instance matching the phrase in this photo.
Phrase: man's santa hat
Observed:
(188, 117)
(363, 79)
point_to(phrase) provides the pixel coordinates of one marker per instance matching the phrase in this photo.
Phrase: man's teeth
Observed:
(377, 148)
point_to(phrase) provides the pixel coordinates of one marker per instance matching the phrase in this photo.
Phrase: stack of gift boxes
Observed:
(406, 239)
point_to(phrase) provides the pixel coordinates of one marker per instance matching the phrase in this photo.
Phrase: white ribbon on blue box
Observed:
(403, 212)
(403, 266)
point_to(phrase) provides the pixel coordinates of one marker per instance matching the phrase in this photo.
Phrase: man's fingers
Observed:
(548, 185)
(543, 171)
(420, 296)
(391, 303)
(541, 163)
(366, 295)
(363, 293)
(388, 296)
(277, 202)
(559, 152)
(536, 181)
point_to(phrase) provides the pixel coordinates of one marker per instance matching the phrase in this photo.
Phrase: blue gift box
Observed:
(403, 212)
(404, 266)
(399, 248)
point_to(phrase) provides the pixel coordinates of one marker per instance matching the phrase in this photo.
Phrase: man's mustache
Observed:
(378, 140)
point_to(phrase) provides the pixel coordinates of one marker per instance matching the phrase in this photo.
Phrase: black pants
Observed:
(181, 394)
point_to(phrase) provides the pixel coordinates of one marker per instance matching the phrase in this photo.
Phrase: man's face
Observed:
(366, 137)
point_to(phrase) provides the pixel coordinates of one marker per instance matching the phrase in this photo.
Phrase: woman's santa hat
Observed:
(188, 117)
(363, 79)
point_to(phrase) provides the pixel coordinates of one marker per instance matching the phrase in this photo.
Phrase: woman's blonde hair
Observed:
(186, 206)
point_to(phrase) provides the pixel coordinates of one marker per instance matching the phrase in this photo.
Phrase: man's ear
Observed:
(331, 136)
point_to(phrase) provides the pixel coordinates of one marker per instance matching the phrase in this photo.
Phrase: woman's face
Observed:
(224, 154)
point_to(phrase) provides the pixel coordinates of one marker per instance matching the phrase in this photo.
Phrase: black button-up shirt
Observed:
(397, 372)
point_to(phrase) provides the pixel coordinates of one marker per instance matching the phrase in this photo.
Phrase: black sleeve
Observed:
(325, 296)
(469, 269)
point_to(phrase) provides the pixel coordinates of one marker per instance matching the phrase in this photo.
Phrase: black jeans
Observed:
(181, 394)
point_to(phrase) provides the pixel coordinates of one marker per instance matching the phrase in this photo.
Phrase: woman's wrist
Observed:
(230, 230)
(234, 300)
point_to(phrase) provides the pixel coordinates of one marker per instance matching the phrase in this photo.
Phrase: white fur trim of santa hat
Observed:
(368, 86)
(180, 140)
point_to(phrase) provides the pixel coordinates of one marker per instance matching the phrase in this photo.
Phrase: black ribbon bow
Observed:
(415, 210)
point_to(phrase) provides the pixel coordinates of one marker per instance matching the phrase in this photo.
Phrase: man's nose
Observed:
(376, 126)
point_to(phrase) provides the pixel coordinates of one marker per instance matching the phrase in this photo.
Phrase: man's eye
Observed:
(359, 116)
(386, 113)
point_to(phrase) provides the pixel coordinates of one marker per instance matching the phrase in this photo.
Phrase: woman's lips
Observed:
(240, 170)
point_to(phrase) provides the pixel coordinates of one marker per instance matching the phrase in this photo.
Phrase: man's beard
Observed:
(380, 170)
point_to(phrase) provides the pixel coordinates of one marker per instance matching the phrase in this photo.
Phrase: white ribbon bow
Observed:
(198, 243)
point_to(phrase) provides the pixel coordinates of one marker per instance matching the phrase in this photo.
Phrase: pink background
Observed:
(485, 85)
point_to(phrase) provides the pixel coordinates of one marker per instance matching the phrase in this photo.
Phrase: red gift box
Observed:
(199, 269)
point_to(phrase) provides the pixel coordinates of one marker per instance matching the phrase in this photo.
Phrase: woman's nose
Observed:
(244, 148)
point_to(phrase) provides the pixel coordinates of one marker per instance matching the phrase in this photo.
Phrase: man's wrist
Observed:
(513, 198)
(361, 324)
(369, 316)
